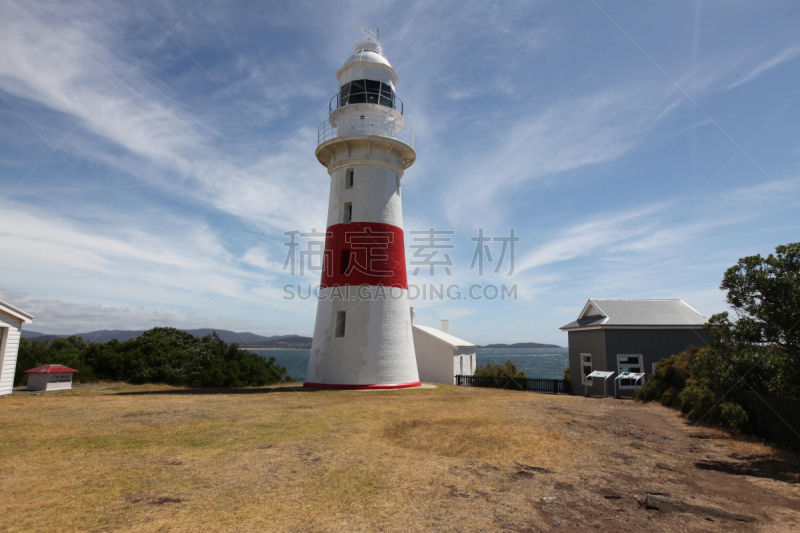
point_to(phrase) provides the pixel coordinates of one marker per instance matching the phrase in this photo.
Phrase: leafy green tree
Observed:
(765, 295)
(160, 355)
(760, 351)
(32, 353)
(762, 347)
(67, 352)
(234, 367)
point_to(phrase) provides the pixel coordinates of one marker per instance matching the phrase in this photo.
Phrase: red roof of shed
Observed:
(50, 369)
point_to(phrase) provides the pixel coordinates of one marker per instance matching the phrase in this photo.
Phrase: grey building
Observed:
(629, 336)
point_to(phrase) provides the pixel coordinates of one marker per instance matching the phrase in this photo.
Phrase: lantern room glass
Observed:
(367, 92)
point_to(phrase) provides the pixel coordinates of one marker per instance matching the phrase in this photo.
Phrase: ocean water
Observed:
(548, 363)
(535, 362)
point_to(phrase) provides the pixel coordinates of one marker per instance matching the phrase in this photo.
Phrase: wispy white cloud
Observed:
(596, 235)
(63, 318)
(651, 238)
(767, 65)
(65, 62)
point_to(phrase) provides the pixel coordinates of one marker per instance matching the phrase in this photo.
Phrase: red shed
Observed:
(50, 377)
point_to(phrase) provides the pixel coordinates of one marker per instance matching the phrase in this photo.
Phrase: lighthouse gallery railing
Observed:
(375, 124)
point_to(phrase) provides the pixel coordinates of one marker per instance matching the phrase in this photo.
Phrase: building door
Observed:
(629, 363)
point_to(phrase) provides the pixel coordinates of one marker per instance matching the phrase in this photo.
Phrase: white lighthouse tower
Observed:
(362, 337)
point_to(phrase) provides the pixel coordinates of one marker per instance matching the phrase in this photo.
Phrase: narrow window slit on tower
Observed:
(344, 263)
(348, 181)
(340, 317)
(348, 212)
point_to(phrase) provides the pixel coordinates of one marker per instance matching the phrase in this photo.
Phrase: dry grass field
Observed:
(153, 458)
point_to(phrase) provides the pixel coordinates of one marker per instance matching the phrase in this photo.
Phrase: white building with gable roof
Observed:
(441, 356)
(11, 320)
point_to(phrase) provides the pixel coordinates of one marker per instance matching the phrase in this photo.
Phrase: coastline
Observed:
(265, 349)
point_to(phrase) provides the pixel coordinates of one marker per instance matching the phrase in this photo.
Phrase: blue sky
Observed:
(153, 154)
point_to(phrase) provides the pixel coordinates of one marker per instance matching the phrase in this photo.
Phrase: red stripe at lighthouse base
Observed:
(364, 253)
(332, 386)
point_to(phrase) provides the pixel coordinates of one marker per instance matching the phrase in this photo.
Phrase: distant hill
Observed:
(521, 345)
(245, 340)
(293, 341)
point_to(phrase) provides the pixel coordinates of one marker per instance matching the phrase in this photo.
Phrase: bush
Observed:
(711, 407)
(566, 374)
(160, 355)
(699, 382)
(669, 379)
(507, 369)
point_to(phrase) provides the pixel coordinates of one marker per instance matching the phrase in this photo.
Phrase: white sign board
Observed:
(632, 376)
(598, 374)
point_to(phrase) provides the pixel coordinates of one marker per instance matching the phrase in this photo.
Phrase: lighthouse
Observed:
(362, 336)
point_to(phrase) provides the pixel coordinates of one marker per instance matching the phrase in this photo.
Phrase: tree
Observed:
(765, 295)
(763, 344)
(160, 355)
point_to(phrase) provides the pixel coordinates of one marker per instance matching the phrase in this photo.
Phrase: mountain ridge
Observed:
(244, 339)
(522, 345)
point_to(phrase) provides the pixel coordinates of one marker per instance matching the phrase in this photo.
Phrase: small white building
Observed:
(11, 320)
(441, 356)
(50, 377)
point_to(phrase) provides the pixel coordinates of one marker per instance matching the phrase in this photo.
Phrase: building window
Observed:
(348, 212)
(340, 319)
(349, 178)
(654, 367)
(629, 363)
(397, 184)
(586, 368)
(344, 262)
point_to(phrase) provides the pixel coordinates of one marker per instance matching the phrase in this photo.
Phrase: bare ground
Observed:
(451, 459)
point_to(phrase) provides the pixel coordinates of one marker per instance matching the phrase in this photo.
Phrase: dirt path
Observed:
(664, 474)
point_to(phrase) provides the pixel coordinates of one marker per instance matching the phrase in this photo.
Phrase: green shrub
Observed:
(711, 407)
(669, 379)
(507, 369)
(566, 374)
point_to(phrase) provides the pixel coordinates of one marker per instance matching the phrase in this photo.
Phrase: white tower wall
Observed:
(362, 335)
(376, 199)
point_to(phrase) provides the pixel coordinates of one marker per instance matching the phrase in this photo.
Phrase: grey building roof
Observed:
(602, 313)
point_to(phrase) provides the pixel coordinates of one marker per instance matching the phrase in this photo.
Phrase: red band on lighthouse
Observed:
(364, 253)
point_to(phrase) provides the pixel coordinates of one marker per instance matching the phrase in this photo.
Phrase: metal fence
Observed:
(375, 124)
(774, 419)
(548, 386)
